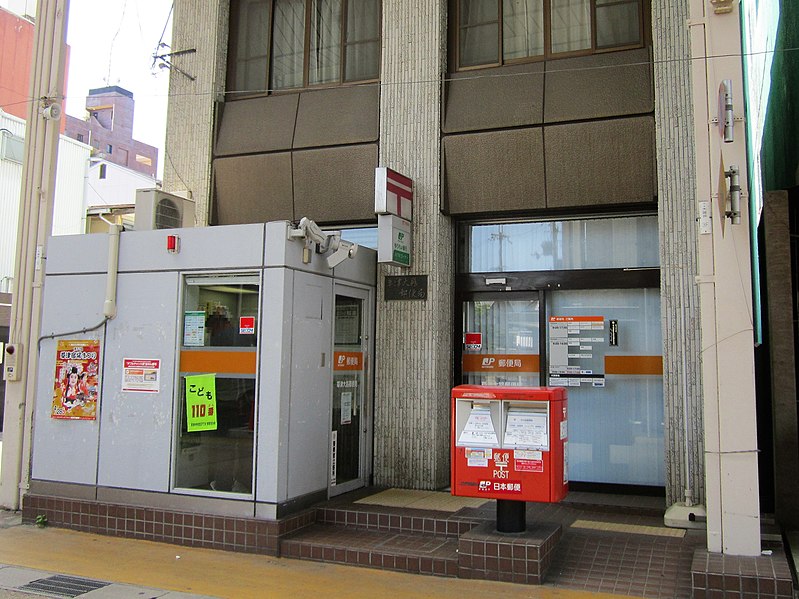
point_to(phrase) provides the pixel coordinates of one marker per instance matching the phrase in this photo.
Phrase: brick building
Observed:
(108, 128)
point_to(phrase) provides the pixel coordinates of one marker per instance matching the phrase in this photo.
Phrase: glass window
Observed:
(630, 242)
(288, 41)
(522, 28)
(363, 40)
(525, 29)
(617, 23)
(250, 44)
(13, 147)
(298, 43)
(219, 335)
(479, 32)
(366, 236)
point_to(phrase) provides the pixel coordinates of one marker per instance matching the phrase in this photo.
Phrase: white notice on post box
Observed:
(526, 429)
(479, 429)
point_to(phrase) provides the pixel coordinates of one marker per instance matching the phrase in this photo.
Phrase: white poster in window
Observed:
(526, 429)
(346, 407)
(479, 429)
(194, 328)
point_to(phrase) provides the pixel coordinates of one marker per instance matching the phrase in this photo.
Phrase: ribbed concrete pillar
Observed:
(190, 117)
(677, 212)
(414, 338)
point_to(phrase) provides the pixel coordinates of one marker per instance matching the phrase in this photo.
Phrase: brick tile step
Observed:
(388, 519)
(418, 553)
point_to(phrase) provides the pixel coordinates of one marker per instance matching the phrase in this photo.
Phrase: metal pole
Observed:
(35, 224)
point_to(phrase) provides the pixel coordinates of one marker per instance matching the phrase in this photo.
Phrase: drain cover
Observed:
(63, 586)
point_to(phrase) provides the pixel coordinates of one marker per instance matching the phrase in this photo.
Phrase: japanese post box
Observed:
(509, 443)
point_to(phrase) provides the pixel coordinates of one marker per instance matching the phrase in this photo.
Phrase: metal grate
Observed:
(63, 586)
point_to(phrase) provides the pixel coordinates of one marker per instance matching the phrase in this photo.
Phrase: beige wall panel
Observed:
(606, 162)
(253, 189)
(494, 98)
(497, 171)
(256, 125)
(338, 116)
(599, 86)
(335, 185)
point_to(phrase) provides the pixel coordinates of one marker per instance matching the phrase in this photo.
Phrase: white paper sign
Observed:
(479, 429)
(526, 429)
(346, 407)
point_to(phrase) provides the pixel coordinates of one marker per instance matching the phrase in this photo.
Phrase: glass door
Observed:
(351, 397)
(501, 340)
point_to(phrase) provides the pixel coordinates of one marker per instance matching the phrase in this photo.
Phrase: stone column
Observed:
(414, 338)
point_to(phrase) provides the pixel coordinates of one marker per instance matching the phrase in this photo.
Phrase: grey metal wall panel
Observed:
(335, 185)
(599, 86)
(271, 466)
(253, 189)
(494, 98)
(136, 428)
(66, 450)
(256, 125)
(199, 248)
(493, 171)
(604, 162)
(77, 253)
(311, 380)
(338, 116)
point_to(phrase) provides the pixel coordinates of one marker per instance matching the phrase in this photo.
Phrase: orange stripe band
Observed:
(634, 365)
(220, 362)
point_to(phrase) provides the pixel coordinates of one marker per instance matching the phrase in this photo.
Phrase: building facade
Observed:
(561, 156)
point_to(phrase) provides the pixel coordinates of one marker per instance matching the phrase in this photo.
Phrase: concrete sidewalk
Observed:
(145, 569)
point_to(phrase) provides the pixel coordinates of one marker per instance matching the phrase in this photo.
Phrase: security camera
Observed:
(346, 249)
(52, 112)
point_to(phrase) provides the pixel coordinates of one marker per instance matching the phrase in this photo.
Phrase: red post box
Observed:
(509, 443)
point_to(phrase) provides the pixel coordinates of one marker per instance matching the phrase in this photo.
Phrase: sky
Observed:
(112, 42)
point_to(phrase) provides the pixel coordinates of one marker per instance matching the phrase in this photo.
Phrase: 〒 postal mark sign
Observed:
(393, 193)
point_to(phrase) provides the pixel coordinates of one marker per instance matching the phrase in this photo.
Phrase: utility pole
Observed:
(35, 225)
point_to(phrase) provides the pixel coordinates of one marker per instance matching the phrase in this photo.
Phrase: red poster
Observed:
(77, 365)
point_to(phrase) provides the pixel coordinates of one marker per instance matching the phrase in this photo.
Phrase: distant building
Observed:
(108, 128)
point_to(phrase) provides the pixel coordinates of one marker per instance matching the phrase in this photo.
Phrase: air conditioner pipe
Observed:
(110, 303)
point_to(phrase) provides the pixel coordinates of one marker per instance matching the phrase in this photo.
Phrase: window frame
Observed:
(454, 37)
(233, 60)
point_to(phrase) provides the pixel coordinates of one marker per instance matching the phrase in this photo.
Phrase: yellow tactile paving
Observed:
(236, 575)
(629, 528)
(421, 500)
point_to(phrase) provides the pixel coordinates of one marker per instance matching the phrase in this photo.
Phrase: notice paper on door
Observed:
(526, 429)
(479, 429)
(346, 407)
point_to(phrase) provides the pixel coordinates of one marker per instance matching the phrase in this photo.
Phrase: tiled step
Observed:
(417, 553)
(386, 519)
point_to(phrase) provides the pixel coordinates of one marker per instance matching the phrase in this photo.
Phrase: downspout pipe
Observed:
(110, 303)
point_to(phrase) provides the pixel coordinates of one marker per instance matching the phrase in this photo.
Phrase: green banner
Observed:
(201, 402)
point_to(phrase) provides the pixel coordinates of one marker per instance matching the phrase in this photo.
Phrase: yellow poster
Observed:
(77, 364)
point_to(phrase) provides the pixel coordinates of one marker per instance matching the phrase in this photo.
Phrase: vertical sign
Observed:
(576, 351)
(201, 402)
(394, 240)
(394, 207)
(75, 389)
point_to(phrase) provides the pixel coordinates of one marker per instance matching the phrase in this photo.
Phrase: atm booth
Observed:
(232, 380)
(510, 444)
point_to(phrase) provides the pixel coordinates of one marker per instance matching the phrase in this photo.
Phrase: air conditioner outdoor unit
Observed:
(156, 209)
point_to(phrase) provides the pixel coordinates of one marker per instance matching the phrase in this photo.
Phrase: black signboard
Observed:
(613, 333)
(406, 287)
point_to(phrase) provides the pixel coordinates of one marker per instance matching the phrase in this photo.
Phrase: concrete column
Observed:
(35, 225)
(674, 123)
(414, 338)
(724, 279)
(192, 96)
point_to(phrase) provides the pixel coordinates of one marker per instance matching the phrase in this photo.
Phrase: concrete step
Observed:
(414, 552)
